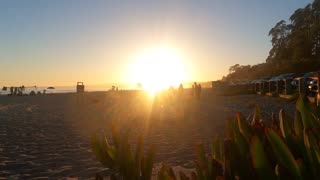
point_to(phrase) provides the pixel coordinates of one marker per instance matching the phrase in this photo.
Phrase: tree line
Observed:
(295, 47)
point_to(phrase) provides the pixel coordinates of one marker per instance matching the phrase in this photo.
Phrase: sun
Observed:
(158, 68)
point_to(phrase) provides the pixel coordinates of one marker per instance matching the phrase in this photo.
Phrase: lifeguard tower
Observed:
(80, 87)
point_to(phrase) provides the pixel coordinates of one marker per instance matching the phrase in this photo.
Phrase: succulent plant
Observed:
(286, 149)
(118, 157)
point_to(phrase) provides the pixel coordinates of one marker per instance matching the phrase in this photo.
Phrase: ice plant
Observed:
(120, 158)
(287, 149)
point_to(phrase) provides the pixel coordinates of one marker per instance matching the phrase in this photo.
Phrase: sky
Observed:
(61, 42)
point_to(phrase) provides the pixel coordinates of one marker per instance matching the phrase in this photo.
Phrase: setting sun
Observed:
(158, 68)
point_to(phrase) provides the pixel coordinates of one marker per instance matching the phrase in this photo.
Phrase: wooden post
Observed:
(276, 86)
(301, 89)
(270, 87)
(288, 86)
(317, 96)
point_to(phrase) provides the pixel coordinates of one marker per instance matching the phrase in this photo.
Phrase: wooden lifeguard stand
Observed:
(80, 87)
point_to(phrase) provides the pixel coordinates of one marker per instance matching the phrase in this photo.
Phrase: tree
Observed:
(279, 38)
(295, 47)
(301, 37)
(233, 68)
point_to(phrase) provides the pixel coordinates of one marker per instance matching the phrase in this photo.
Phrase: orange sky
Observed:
(61, 42)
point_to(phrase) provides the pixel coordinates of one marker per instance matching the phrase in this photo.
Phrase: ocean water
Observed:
(70, 89)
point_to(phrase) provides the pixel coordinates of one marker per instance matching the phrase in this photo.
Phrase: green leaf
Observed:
(229, 129)
(129, 168)
(216, 169)
(166, 173)
(243, 145)
(282, 153)
(147, 164)
(286, 129)
(201, 157)
(298, 126)
(217, 149)
(303, 169)
(303, 106)
(275, 123)
(138, 156)
(313, 143)
(101, 152)
(201, 162)
(285, 124)
(259, 160)
(115, 136)
(109, 149)
(315, 164)
(283, 173)
(244, 127)
(228, 159)
(256, 116)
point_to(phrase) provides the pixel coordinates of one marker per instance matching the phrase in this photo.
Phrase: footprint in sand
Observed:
(6, 107)
(3, 107)
(31, 108)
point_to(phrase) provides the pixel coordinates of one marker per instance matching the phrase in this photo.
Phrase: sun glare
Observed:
(158, 68)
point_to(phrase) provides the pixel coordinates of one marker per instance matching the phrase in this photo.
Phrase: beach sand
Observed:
(50, 135)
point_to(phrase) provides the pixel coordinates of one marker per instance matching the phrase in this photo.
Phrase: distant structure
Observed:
(218, 84)
(80, 87)
(139, 85)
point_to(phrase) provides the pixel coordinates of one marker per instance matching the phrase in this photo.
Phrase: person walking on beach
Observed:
(196, 90)
(199, 91)
(193, 91)
(180, 89)
(15, 90)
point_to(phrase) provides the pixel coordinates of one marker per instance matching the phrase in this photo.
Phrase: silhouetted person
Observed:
(195, 89)
(23, 88)
(199, 91)
(19, 91)
(180, 89)
(192, 90)
(15, 91)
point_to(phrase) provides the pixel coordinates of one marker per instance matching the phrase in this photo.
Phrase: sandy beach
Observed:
(50, 135)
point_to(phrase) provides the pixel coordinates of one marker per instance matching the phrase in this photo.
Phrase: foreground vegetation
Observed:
(284, 148)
